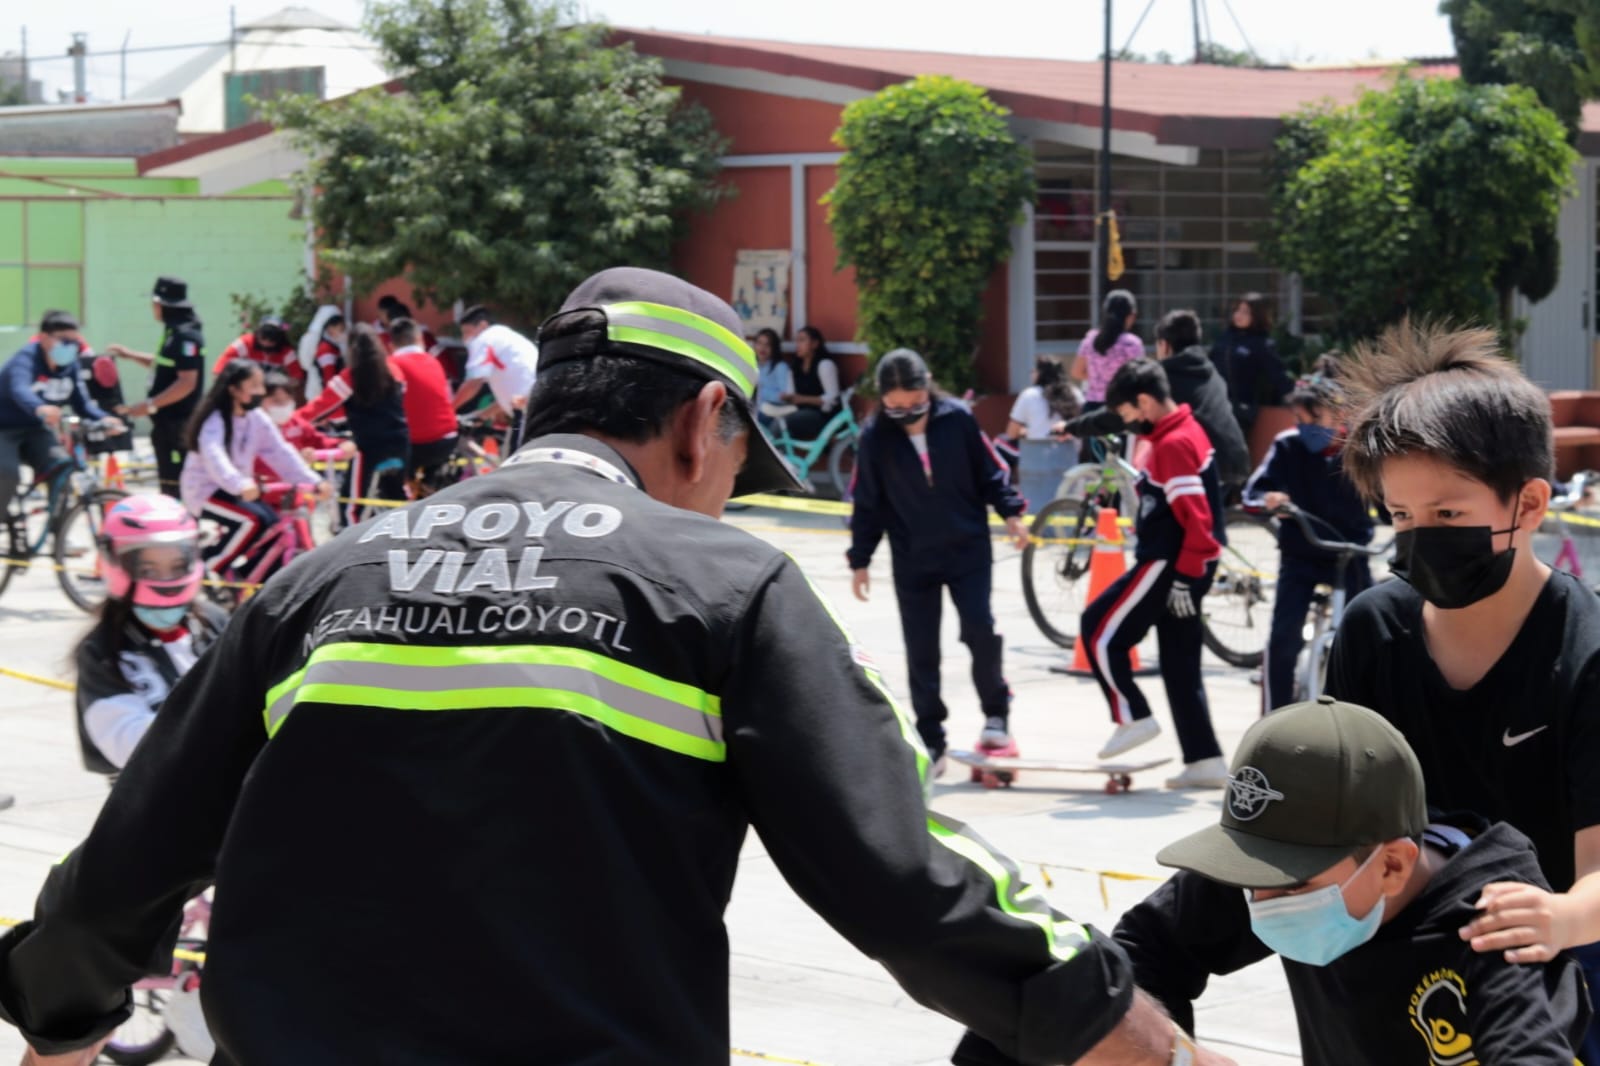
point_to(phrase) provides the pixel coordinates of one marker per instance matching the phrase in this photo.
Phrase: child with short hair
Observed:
(1179, 539)
(1485, 658)
(1305, 468)
(1359, 891)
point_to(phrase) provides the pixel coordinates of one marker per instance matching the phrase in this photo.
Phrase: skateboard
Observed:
(993, 771)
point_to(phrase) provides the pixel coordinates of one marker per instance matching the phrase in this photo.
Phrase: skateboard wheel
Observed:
(991, 781)
(1112, 788)
(1126, 781)
(977, 776)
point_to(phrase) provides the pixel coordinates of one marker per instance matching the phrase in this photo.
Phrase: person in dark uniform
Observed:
(178, 381)
(1305, 468)
(926, 476)
(1247, 357)
(358, 742)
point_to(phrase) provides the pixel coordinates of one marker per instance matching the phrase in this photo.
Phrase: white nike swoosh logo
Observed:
(1512, 741)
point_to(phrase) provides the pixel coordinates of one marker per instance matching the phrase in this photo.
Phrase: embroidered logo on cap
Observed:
(1249, 793)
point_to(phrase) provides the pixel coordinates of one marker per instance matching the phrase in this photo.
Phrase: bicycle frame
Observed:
(288, 537)
(802, 460)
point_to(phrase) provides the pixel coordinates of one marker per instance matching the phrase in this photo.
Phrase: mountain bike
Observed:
(64, 508)
(1064, 537)
(1327, 603)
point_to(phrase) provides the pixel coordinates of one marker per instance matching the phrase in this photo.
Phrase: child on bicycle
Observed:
(926, 476)
(1484, 657)
(1180, 536)
(151, 628)
(1305, 468)
(296, 428)
(371, 390)
(226, 436)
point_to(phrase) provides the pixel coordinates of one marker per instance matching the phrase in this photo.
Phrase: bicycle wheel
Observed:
(16, 545)
(1055, 567)
(1238, 609)
(842, 465)
(144, 1038)
(77, 545)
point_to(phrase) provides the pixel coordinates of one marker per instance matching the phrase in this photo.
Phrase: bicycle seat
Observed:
(778, 410)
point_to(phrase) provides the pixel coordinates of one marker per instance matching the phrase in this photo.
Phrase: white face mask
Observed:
(280, 413)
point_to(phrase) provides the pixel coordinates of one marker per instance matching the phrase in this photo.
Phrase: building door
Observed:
(1558, 347)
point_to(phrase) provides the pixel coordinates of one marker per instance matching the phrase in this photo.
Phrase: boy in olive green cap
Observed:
(1325, 828)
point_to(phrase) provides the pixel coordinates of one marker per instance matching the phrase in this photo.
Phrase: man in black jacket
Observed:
(1194, 381)
(1326, 830)
(549, 705)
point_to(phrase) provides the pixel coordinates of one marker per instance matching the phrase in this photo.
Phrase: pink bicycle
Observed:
(166, 1008)
(288, 537)
(1574, 496)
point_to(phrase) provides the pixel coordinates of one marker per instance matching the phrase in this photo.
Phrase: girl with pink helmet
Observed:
(151, 628)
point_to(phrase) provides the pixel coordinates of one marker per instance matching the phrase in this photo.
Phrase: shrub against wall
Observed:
(930, 185)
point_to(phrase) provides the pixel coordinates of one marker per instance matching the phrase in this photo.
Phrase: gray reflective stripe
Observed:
(397, 678)
(700, 338)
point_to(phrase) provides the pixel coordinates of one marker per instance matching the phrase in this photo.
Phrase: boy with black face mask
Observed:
(1486, 659)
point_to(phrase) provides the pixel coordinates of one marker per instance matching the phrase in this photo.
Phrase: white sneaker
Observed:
(1207, 773)
(1129, 736)
(995, 734)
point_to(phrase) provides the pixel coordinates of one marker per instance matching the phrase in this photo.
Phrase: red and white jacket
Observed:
(245, 347)
(1180, 497)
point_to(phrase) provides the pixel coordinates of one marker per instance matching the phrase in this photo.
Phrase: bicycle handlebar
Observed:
(1338, 547)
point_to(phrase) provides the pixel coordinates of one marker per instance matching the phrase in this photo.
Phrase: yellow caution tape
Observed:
(48, 682)
(1103, 876)
(767, 1056)
(840, 509)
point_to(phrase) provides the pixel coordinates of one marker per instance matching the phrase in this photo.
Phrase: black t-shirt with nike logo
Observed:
(1523, 744)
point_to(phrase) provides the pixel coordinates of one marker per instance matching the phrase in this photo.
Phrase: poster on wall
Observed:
(761, 289)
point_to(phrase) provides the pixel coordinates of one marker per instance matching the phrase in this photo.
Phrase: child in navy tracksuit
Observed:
(1304, 467)
(926, 476)
(1180, 536)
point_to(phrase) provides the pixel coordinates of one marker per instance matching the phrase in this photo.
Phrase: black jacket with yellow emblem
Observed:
(1416, 992)
(472, 782)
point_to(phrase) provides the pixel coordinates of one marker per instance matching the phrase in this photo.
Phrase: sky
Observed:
(1278, 30)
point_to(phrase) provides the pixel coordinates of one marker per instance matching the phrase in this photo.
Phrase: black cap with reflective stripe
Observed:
(655, 316)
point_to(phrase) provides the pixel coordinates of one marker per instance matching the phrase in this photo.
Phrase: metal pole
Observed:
(125, 38)
(27, 86)
(80, 67)
(1103, 227)
(1194, 10)
(233, 39)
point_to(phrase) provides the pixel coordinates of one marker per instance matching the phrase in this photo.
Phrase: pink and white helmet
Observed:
(161, 578)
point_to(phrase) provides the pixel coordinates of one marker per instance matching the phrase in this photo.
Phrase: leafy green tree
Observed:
(525, 153)
(931, 182)
(1518, 42)
(12, 93)
(1413, 200)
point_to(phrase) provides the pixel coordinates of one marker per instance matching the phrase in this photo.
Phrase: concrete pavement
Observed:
(799, 992)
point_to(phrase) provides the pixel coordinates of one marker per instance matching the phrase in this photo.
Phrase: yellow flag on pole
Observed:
(1115, 267)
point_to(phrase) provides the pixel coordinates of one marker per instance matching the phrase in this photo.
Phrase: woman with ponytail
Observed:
(1107, 347)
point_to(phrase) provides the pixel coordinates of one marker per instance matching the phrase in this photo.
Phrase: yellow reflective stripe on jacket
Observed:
(908, 725)
(631, 701)
(687, 334)
(1016, 897)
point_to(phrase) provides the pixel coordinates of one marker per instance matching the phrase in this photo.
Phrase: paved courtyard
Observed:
(799, 992)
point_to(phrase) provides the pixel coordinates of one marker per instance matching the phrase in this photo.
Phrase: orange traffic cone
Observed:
(113, 472)
(1105, 566)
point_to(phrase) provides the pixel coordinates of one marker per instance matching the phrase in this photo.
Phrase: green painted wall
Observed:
(45, 166)
(220, 246)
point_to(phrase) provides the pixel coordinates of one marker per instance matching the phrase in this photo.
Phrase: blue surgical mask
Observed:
(161, 617)
(64, 353)
(1316, 438)
(1315, 927)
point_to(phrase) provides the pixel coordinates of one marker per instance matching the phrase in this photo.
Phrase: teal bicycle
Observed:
(835, 445)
